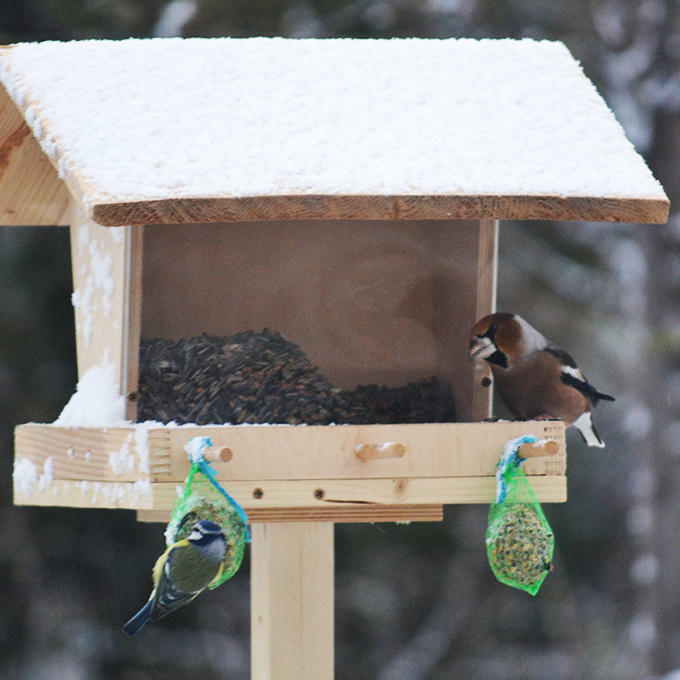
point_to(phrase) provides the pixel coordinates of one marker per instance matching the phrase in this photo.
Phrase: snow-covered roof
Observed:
(173, 130)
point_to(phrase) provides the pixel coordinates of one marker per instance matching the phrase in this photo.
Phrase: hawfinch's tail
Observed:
(584, 424)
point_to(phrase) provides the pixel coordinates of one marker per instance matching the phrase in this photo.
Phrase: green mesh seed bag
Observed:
(205, 499)
(519, 540)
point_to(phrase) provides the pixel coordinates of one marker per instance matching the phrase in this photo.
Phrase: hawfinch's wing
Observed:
(571, 375)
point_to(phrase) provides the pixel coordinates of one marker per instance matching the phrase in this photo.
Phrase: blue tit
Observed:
(185, 569)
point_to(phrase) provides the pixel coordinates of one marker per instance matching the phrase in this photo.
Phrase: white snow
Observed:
(82, 301)
(195, 448)
(133, 452)
(47, 477)
(25, 476)
(98, 275)
(123, 461)
(142, 446)
(97, 401)
(171, 118)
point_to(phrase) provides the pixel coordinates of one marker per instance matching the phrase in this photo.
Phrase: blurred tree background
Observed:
(413, 602)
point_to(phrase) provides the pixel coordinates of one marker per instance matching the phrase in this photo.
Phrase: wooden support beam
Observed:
(292, 608)
(487, 277)
(107, 270)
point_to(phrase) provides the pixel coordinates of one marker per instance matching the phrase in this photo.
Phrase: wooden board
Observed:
(133, 318)
(367, 500)
(107, 296)
(284, 452)
(487, 281)
(379, 302)
(348, 513)
(327, 493)
(224, 209)
(292, 601)
(31, 193)
(276, 469)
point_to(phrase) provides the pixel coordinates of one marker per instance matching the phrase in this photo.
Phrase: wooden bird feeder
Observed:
(343, 193)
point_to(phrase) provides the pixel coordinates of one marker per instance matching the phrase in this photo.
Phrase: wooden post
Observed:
(487, 278)
(291, 598)
(107, 279)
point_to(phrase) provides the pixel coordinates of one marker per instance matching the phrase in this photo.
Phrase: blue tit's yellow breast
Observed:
(190, 570)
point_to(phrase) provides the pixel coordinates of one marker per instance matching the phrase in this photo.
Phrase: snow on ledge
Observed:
(97, 401)
(186, 118)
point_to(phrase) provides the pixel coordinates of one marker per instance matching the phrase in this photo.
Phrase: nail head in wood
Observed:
(258, 493)
(384, 450)
(537, 449)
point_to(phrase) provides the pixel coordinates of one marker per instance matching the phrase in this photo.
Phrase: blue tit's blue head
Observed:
(209, 538)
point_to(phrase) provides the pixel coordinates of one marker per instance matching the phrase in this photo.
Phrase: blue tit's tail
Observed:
(134, 625)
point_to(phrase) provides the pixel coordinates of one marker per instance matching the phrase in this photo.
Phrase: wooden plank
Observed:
(283, 452)
(87, 494)
(283, 473)
(133, 318)
(317, 452)
(103, 282)
(351, 513)
(443, 207)
(31, 193)
(292, 607)
(124, 454)
(487, 281)
(279, 496)
(395, 491)
(75, 187)
(487, 268)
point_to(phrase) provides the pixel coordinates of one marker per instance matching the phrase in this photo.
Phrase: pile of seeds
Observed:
(519, 546)
(261, 377)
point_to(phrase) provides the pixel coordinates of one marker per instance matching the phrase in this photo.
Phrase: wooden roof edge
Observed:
(376, 207)
(31, 191)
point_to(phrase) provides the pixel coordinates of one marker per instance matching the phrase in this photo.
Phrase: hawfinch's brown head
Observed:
(502, 336)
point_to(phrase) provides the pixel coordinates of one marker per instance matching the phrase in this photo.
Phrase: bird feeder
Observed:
(344, 194)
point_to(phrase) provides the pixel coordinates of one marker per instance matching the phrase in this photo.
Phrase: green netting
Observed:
(203, 500)
(519, 540)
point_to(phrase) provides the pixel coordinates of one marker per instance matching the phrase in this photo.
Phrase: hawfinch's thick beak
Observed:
(480, 348)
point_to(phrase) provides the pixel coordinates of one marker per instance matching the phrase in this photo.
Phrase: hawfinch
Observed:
(536, 379)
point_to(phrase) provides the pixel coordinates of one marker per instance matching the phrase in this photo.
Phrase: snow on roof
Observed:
(143, 120)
